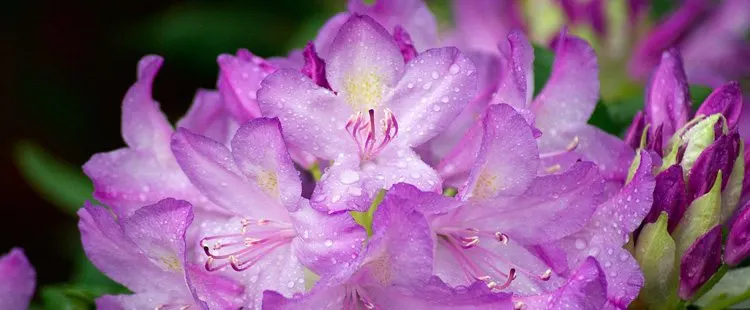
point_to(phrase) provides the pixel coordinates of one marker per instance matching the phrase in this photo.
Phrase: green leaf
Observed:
(543, 59)
(60, 183)
(698, 94)
(660, 8)
(732, 289)
(66, 297)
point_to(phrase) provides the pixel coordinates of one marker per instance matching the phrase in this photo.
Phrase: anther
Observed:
(518, 305)
(546, 275)
(501, 237)
(554, 168)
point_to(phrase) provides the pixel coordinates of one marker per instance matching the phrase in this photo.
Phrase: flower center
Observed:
(241, 250)
(369, 140)
(463, 244)
(357, 298)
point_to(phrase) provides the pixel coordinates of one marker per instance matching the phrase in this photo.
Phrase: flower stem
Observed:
(726, 302)
(711, 282)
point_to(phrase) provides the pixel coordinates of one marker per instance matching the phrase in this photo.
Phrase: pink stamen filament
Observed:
(572, 146)
(457, 240)
(244, 249)
(364, 134)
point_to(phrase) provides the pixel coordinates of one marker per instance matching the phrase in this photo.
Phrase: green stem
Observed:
(711, 282)
(724, 303)
(450, 192)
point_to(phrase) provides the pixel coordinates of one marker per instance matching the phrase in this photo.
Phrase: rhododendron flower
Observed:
(17, 280)
(377, 109)
(560, 112)
(147, 253)
(395, 271)
(146, 171)
(273, 232)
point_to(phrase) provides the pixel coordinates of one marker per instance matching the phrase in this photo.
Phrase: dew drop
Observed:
(329, 243)
(349, 176)
(454, 69)
(580, 244)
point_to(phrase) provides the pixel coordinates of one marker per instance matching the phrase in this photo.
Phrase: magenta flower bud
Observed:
(314, 68)
(700, 261)
(720, 155)
(726, 100)
(635, 130)
(738, 242)
(667, 98)
(669, 196)
(17, 280)
(404, 42)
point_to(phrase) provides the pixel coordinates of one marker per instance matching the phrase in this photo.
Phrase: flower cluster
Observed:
(385, 166)
(699, 186)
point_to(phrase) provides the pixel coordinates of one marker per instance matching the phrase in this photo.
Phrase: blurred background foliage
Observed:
(67, 66)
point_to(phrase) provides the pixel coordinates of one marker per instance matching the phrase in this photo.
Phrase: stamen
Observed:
(469, 242)
(518, 305)
(554, 168)
(572, 146)
(363, 132)
(241, 250)
(501, 237)
(546, 275)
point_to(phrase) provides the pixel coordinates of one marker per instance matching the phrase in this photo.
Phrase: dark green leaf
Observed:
(60, 183)
(543, 59)
(698, 94)
(65, 297)
(660, 8)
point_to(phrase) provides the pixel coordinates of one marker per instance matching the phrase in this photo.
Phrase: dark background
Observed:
(66, 66)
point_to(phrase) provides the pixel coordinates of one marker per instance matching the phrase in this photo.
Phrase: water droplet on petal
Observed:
(454, 69)
(349, 176)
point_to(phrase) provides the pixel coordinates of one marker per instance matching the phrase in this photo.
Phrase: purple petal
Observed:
(314, 68)
(435, 294)
(313, 117)
(212, 290)
(559, 205)
(428, 203)
(110, 250)
(585, 289)
(413, 15)
(159, 232)
(485, 23)
(516, 84)
(668, 99)
(716, 49)
(344, 186)
(363, 49)
(127, 179)
(571, 93)
(143, 124)
(609, 152)
(726, 100)
(488, 71)
(635, 130)
(669, 196)
(322, 298)
(139, 301)
(458, 164)
(17, 280)
(207, 116)
(404, 42)
(326, 243)
(239, 80)
(403, 165)
(401, 248)
(210, 167)
(699, 262)
(738, 242)
(720, 155)
(508, 158)
(664, 36)
(259, 150)
(328, 33)
(435, 88)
